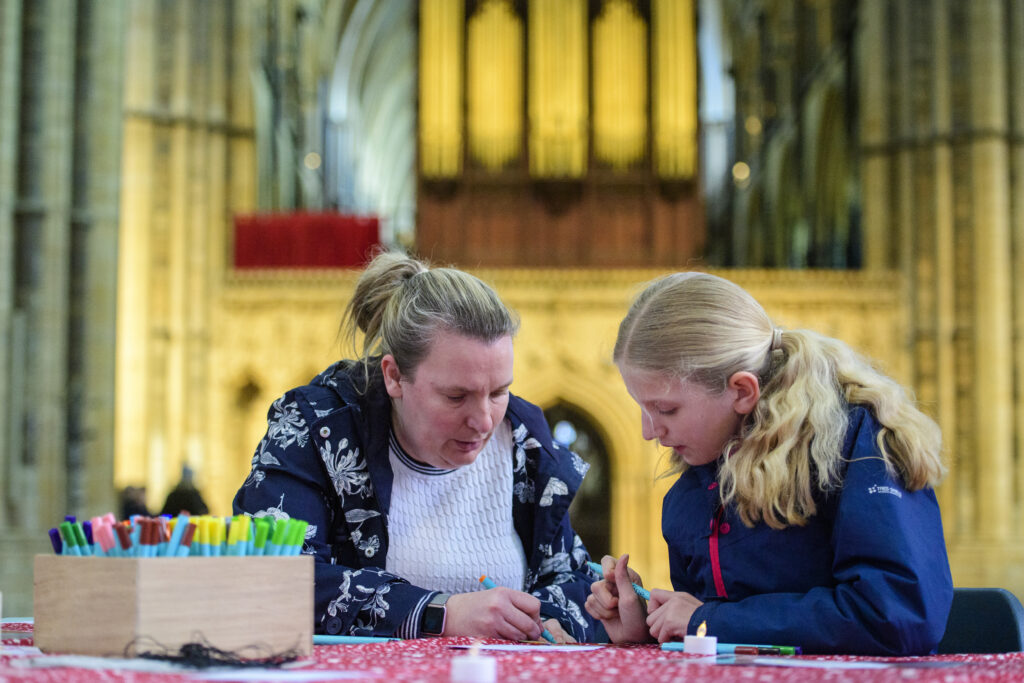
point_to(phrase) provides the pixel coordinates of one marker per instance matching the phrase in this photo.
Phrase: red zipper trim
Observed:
(716, 565)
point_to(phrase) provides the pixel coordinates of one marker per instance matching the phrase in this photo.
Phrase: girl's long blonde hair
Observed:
(701, 328)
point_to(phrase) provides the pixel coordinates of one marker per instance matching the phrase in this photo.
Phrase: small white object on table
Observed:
(701, 644)
(474, 667)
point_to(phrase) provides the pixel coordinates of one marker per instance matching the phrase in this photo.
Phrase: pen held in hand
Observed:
(545, 634)
(639, 590)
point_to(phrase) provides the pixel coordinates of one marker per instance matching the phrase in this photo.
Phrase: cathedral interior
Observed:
(189, 187)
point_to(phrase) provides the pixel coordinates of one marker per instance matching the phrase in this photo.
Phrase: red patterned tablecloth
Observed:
(428, 661)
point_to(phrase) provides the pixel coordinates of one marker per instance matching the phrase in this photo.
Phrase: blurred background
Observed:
(188, 189)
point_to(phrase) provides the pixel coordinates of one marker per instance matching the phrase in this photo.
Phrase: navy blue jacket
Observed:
(867, 574)
(324, 460)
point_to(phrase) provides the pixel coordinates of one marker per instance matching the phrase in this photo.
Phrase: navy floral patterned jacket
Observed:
(324, 459)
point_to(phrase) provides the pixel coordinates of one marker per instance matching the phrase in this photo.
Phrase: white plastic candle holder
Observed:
(700, 645)
(473, 668)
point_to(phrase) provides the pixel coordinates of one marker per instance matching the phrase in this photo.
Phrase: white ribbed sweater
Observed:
(448, 527)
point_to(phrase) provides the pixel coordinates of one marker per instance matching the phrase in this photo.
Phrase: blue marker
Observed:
(179, 529)
(639, 590)
(349, 640)
(545, 634)
(58, 545)
(739, 649)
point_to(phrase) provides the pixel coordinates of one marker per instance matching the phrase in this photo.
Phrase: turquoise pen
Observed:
(349, 640)
(179, 531)
(639, 590)
(545, 634)
(739, 649)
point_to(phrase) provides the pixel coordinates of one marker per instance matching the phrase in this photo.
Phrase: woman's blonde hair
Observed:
(701, 328)
(400, 303)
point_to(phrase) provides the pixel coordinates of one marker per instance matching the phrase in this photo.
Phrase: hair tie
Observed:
(776, 339)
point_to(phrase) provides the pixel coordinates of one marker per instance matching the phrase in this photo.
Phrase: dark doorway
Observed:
(590, 511)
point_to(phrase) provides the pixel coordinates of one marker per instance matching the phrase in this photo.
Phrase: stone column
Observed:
(46, 175)
(876, 170)
(95, 297)
(941, 403)
(10, 73)
(992, 323)
(1015, 93)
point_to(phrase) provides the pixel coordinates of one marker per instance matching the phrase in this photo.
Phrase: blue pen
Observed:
(639, 590)
(179, 529)
(545, 634)
(349, 640)
(90, 540)
(739, 649)
(55, 541)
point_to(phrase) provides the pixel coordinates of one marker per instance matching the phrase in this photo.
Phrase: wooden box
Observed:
(254, 607)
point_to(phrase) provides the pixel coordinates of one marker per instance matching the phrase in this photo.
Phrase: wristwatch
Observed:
(435, 614)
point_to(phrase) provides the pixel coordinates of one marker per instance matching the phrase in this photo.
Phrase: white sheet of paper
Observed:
(260, 675)
(535, 649)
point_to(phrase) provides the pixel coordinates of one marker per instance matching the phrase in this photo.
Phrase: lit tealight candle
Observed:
(474, 667)
(700, 644)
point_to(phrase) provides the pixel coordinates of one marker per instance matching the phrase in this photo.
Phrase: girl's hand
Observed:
(670, 614)
(613, 601)
(555, 629)
(495, 613)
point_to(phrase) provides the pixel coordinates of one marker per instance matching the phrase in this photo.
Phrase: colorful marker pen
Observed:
(180, 522)
(639, 590)
(260, 537)
(76, 528)
(298, 537)
(184, 547)
(58, 545)
(124, 538)
(545, 634)
(275, 543)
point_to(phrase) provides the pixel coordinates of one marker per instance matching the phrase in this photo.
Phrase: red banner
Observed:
(304, 240)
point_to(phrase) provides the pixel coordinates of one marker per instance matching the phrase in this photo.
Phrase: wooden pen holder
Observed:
(253, 607)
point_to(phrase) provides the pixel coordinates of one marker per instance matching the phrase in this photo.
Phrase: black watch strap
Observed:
(434, 616)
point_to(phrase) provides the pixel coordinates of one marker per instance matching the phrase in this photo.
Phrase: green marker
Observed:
(262, 531)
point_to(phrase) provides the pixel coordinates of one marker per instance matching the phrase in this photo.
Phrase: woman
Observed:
(419, 472)
(804, 513)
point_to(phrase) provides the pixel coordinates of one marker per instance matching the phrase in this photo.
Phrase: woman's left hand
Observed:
(668, 614)
(559, 634)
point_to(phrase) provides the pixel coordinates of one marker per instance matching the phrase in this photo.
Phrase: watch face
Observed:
(433, 620)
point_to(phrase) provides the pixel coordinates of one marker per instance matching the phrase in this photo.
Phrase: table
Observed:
(428, 660)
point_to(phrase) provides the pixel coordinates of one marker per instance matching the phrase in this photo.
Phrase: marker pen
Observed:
(124, 538)
(180, 522)
(184, 547)
(274, 547)
(76, 528)
(260, 537)
(639, 590)
(545, 634)
(58, 545)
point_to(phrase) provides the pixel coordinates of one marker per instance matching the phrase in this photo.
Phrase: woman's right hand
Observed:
(494, 613)
(613, 601)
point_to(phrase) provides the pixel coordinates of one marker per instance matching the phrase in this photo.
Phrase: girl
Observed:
(804, 513)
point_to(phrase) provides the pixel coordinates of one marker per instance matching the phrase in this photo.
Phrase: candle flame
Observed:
(702, 629)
